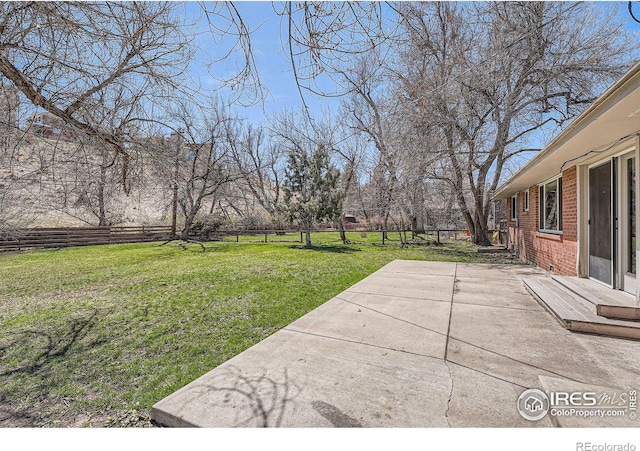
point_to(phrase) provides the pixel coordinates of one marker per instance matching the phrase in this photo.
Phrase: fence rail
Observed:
(85, 236)
(80, 236)
(383, 236)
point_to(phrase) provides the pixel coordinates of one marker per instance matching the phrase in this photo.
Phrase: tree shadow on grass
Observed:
(329, 248)
(48, 345)
(185, 245)
(197, 247)
(29, 356)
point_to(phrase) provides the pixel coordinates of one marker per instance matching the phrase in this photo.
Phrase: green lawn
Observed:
(94, 336)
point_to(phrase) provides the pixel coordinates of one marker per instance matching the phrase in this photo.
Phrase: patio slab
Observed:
(495, 272)
(509, 294)
(428, 286)
(295, 379)
(416, 344)
(424, 268)
(380, 323)
(426, 313)
(519, 345)
(479, 400)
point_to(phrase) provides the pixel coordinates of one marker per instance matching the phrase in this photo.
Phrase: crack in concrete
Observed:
(360, 343)
(446, 413)
(446, 347)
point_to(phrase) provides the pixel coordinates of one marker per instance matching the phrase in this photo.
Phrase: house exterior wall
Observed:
(551, 252)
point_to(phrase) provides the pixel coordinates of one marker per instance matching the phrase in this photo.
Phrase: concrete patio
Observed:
(416, 344)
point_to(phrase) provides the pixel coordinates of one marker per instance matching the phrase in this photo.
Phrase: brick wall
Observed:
(545, 249)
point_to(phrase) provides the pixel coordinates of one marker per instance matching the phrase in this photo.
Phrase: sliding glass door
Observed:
(600, 223)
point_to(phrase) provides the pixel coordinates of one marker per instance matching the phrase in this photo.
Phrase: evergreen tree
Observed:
(311, 188)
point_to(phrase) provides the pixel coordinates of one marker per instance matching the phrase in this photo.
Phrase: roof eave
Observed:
(507, 190)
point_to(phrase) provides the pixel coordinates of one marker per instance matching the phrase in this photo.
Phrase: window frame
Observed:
(525, 201)
(542, 220)
(514, 208)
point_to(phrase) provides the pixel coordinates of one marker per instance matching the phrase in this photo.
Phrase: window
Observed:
(514, 208)
(551, 206)
(525, 202)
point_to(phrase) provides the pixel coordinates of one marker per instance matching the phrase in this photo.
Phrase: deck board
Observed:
(595, 292)
(574, 312)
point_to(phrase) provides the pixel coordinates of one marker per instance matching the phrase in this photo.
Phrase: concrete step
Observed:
(609, 303)
(575, 313)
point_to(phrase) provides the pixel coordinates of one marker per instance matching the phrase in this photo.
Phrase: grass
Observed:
(94, 336)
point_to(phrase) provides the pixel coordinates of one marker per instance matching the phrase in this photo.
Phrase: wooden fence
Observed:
(85, 236)
(81, 236)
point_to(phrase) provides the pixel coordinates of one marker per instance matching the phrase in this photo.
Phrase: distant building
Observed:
(46, 124)
(350, 222)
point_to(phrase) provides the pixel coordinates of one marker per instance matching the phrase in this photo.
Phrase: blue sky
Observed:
(271, 57)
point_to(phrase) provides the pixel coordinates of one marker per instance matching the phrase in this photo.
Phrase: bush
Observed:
(206, 225)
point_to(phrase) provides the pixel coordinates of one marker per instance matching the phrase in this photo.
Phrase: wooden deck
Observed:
(609, 303)
(582, 305)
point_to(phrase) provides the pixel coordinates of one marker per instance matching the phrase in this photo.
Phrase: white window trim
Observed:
(541, 211)
(525, 201)
(514, 207)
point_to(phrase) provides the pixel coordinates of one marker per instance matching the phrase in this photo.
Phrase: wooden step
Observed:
(594, 292)
(493, 250)
(618, 312)
(561, 303)
(613, 304)
(575, 313)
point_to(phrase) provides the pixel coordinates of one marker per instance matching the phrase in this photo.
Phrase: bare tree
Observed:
(228, 26)
(350, 150)
(369, 111)
(259, 163)
(323, 39)
(73, 59)
(196, 159)
(537, 64)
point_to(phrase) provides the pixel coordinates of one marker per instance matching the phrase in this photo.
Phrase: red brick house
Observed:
(572, 209)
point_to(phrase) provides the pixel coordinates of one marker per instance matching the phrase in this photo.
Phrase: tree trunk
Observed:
(184, 235)
(307, 228)
(414, 226)
(343, 235)
(102, 215)
(480, 234)
(102, 210)
(188, 223)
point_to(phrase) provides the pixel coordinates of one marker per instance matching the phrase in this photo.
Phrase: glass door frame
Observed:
(612, 227)
(625, 279)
